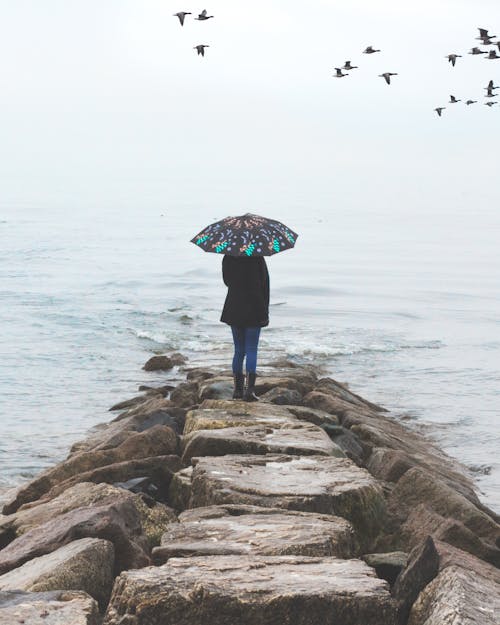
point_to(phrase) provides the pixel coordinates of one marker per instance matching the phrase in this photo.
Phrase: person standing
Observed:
(246, 310)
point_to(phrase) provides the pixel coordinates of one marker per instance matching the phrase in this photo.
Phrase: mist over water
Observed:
(406, 311)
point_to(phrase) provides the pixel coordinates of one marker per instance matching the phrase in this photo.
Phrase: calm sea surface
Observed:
(406, 310)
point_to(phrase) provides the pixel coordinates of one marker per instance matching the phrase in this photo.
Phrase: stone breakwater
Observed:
(311, 506)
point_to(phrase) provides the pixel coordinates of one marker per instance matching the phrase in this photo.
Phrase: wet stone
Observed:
(322, 484)
(290, 438)
(252, 590)
(232, 530)
(235, 414)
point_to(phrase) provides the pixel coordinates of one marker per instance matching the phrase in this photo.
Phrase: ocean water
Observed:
(405, 309)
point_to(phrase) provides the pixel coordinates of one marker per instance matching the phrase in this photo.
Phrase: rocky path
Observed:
(311, 506)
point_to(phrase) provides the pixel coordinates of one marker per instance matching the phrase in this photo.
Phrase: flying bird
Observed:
(476, 50)
(181, 15)
(452, 58)
(469, 102)
(440, 110)
(490, 104)
(201, 49)
(483, 34)
(347, 66)
(453, 99)
(203, 16)
(370, 50)
(491, 86)
(492, 54)
(339, 73)
(387, 76)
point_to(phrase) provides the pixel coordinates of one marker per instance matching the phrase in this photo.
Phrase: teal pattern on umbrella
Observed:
(246, 235)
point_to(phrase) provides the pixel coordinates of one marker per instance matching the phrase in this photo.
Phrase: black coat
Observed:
(247, 300)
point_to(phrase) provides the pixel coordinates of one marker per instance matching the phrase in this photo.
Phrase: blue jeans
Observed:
(246, 341)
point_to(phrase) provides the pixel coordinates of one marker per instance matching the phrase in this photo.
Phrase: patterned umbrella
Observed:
(246, 235)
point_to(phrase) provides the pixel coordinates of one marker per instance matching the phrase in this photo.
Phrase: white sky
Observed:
(105, 103)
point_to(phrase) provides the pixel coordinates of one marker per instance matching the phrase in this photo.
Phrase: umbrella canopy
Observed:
(246, 235)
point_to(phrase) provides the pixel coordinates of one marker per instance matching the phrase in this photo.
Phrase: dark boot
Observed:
(239, 381)
(249, 394)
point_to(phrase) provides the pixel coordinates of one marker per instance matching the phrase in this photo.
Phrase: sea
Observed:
(404, 308)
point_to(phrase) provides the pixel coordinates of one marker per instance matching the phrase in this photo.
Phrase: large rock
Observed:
(282, 396)
(459, 596)
(214, 414)
(313, 415)
(300, 439)
(332, 404)
(179, 494)
(154, 516)
(321, 484)
(158, 363)
(185, 394)
(232, 530)
(86, 564)
(160, 440)
(159, 469)
(337, 389)
(48, 608)
(155, 411)
(429, 559)
(119, 522)
(252, 590)
(423, 522)
(422, 487)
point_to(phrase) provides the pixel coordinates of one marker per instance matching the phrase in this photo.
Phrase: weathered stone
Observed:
(426, 561)
(282, 396)
(158, 363)
(178, 359)
(133, 401)
(86, 564)
(48, 608)
(232, 530)
(337, 389)
(423, 522)
(155, 518)
(321, 484)
(299, 438)
(387, 565)
(185, 394)
(313, 415)
(155, 411)
(252, 590)
(237, 414)
(418, 486)
(119, 522)
(458, 596)
(198, 374)
(349, 443)
(157, 441)
(163, 390)
(329, 403)
(179, 494)
(389, 464)
(216, 388)
(301, 384)
(159, 469)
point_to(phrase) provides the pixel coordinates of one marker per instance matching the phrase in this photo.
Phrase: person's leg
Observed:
(251, 346)
(239, 355)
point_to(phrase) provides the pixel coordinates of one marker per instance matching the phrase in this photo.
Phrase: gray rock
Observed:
(86, 564)
(252, 590)
(337, 389)
(322, 484)
(119, 522)
(282, 396)
(232, 530)
(48, 608)
(160, 440)
(300, 439)
(459, 596)
(313, 415)
(387, 565)
(158, 363)
(185, 394)
(179, 494)
(216, 389)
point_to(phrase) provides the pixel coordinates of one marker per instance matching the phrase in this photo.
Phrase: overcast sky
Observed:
(104, 103)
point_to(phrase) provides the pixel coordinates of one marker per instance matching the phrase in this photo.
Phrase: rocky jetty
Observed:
(311, 506)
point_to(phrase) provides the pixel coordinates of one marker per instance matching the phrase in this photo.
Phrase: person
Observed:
(246, 310)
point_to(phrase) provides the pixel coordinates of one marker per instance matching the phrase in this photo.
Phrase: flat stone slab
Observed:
(252, 590)
(48, 608)
(232, 530)
(289, 438)
(323, 484)
(85, 564)
(237, 414)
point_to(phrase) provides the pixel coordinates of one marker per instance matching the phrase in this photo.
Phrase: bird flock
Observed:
(491, 54)
(341, 72)
(202, 17)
